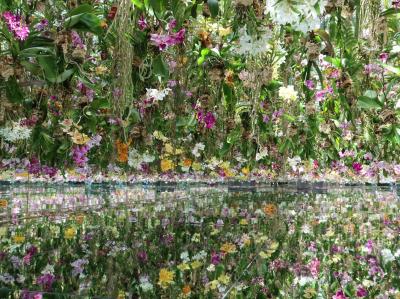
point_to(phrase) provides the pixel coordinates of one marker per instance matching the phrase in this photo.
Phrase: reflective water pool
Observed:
(223, 241)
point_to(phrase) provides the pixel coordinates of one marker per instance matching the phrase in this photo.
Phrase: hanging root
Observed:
(123, 57)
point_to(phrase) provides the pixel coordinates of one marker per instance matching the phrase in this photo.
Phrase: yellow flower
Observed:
(264, 255)
(168, 148)
(196, 166)
(101, 69)
(104, 25)
(196, 238)
(166, 165)
(309, 293)
(121, 295)
(79, 138)
(3, 231)
(22, 174)
(246, 240)
(244, 221)
(165, 277)
(245, 170)
(228, 248)
(19, 239)
(224, 31)
(195, 265)
(224, 279)
(160, 136)
(178, 151)
(183, 267)
(70, 233)
(330, 232)
(3, 203)
(213, 284)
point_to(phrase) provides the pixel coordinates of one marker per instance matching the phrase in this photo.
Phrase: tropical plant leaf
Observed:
(84, 8)
(214, 7)
(369, 101)
(85, 22)
(63, 76)
(49, 65)
(160, 67)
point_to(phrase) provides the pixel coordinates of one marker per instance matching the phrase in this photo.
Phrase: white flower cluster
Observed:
(199, 147)
(251, 45)
(145, 283)
(302, 15)
(157, 95)
(288, 93)
(135, 159)
(15, 133)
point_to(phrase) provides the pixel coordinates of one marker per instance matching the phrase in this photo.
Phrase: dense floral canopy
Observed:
(219, 87)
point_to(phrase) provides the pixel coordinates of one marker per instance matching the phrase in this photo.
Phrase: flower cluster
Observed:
(16, 25)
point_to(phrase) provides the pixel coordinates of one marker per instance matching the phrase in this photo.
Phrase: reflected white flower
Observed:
(145, 284)
(387, 256)
(185, 256)
(306, 229)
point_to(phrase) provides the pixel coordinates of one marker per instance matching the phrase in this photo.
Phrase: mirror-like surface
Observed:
(166, 241)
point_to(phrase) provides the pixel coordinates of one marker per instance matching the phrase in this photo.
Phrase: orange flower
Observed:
(122, 151)
(187, 162)
(270, 209)
(228, 248)
(3, 203)
(186, 290)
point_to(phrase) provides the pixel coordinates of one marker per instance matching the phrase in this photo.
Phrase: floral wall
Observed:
(228, 88)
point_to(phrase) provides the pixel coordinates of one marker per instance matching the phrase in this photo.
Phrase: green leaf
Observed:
(335, 61)
(100, 104)
(193, 11)
(214, 7)
(84, 8)
(138, 3)
(205, 52)
(49, 66)
(156, 5)
(35, 51)
(390, 11)
(289, 117)
(85, 22)
(160, 67)
(273, 85)
(392, 69)
(201, 60)
(369, 103)
(63, 76)
(38, 41)
(13, 91)
(31, 67)
(371, 94)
